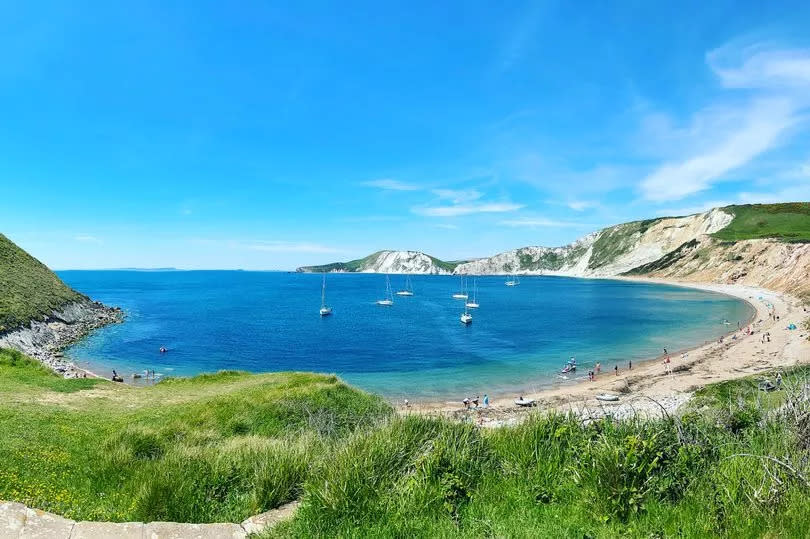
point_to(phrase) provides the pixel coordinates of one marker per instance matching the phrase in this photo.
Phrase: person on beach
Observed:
(475, 401)
(779, 380)
(598, 368)
(629, 365)
(486, 400)
(590, 376)
(466, 403)
(407, 404)
(665, 351)
(616, 369)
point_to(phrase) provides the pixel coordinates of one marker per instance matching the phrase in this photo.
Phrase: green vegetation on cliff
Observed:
(786, 222)
(616, 241)
(29, 289)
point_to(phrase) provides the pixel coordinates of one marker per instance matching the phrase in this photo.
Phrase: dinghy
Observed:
(606, 397)
(524, 402)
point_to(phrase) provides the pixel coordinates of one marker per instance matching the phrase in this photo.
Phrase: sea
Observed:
(519, 340)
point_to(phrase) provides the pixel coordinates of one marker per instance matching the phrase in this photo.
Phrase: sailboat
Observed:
(461, 294)
(466, 317)
(474, 303)
(389, 295)
(512, 281)
(408, 290)
(325, 311)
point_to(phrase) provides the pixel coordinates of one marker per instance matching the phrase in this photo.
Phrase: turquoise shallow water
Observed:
(268, 321)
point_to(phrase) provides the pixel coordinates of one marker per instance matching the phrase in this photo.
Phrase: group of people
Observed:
(598, 368)
(474, 402)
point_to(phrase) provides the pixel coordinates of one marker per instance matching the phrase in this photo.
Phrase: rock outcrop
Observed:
(45, 338)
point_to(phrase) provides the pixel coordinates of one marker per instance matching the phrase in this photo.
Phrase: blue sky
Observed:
(266, 135)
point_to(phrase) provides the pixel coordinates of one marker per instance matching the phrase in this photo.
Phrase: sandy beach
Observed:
(647, 389)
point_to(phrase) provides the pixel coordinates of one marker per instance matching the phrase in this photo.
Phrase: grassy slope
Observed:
(29, 289)
(555, 477)
(211, 448)
(787, 222)
(220, 447)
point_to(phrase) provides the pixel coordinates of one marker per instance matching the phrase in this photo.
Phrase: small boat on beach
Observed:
(607, 397)
(389, 295)
(325, 311)
(408, 290)
(524, 402)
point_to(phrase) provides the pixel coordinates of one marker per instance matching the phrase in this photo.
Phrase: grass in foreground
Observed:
(787, 222)
(221, 447)
(555, 476)
(211, 448)
(28, 287)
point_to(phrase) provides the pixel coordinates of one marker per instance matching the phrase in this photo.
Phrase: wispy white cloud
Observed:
(466, 209)
(87, 238)
(759, 131)
(539, 222)
(760, 66)
(389, 184)
(581, 205)
(458, 196)
(736, 130)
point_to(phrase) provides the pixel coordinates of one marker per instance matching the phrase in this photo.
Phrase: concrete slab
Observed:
(262, 521)
(105, 530)
(41, 524)
(12, 519)
(173, 530)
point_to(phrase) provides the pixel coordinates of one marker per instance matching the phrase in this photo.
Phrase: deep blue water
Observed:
(268, 321)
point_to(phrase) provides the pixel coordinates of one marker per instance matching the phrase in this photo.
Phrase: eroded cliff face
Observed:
(403, 262)
(766, 263)
(608, 252)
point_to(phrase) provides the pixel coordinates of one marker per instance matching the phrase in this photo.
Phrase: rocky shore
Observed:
(45, 339)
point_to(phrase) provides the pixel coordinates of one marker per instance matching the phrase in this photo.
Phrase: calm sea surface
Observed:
(519, 339)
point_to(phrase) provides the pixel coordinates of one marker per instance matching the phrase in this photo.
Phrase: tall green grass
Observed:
(559, 476)
(221, 447)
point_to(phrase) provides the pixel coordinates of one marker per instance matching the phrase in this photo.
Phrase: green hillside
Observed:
(28, 288)
(214, 448)
(786, 222)
(222, 447)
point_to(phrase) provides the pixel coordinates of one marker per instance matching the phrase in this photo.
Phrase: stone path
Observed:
(20, 522)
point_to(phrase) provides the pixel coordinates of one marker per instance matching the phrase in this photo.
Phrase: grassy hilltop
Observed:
(28, 289)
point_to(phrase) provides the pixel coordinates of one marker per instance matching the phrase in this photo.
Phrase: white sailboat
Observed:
(474, 303)
(512, 281)
(408, 290)
(466, 317)
(461, 294)
(389, 295)
(325, 311)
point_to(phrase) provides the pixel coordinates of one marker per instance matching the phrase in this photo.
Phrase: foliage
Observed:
(617, 240)
(30, 289)
(217, 447)
(220, 447)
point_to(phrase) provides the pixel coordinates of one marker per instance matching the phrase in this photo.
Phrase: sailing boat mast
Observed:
(325, 311)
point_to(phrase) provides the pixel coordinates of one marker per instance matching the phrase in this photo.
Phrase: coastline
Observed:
(647, 389)
(45, 339)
